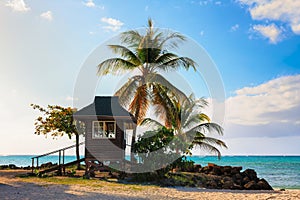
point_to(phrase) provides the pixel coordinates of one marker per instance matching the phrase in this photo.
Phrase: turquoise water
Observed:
(279, 171)
(25, 160)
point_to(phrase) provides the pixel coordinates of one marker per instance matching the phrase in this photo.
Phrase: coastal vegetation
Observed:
(58, 121)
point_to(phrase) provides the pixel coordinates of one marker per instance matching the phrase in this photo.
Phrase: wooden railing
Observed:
(61, 156)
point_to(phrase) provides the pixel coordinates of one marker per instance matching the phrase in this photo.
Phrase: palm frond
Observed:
(126, 53)
(176, 63)
(126, 92)
(207, 147)
(157, 78)
(165, 57)
(165, 106)
(208, 127)
(172, 40)
(210, 140)
(151, 122)
(115, 66)
(132, 38)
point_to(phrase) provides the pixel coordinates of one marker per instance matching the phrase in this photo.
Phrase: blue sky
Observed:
(254, 44)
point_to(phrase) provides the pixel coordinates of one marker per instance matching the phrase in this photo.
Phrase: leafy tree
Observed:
(156, 150)
(145, 54)
(191, 126)
(58, 121)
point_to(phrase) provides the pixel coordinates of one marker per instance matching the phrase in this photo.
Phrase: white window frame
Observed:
(105, 128)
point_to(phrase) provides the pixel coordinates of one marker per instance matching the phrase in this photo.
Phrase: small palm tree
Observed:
(191, 126)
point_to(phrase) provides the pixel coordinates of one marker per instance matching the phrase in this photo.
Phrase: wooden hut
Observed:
(106, 123)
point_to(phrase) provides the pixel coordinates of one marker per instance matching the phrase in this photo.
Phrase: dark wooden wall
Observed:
(105, 149)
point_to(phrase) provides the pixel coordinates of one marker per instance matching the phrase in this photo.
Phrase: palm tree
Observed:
(146, 54)
(191, 126)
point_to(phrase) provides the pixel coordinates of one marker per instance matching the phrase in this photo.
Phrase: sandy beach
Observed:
(12, 187)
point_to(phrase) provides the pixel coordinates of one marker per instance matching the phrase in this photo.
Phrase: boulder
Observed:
(251, 174)
(211, 164)
(252, 185)
(216, 170)
(227, 170)
(12, 166)
(219, 177)
(228, 184)
(236, 170)
(197, 168)
(264, 185)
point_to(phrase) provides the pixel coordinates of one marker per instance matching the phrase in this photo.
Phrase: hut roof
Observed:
(104, 106)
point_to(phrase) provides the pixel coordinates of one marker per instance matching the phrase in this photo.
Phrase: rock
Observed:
(252, 185)
(212, 184)
(245, 180)
(211, 165)
(206, 169)
(219, 177)
(251, 174)
(236, 187)
(226, 178)
(227, 170)
(27, 168)
(4, 167)
(236, 170)
(197, 168)
(264, 185)
(216, 170)
(228, 184)
(12, 166)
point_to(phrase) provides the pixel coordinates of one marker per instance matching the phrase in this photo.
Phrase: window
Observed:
(104, 129)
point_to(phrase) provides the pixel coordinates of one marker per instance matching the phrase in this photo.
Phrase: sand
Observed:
(12, 187)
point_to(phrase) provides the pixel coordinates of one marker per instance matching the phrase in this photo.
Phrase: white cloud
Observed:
(89, 3)
(235, 27)
(112, 24)
(17, 5)
(47, 15)
(275, 101)
(287, 11)
(269, 110)
(272, 32)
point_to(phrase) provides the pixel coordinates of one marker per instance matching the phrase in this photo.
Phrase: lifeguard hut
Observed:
(106, 123)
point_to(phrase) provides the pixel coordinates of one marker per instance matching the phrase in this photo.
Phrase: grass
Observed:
(93, 183)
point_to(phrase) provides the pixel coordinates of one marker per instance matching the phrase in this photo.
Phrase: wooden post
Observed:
(63, 162)
(59, 162)
(32, 164)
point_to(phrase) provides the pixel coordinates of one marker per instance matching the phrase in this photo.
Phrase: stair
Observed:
(61, 161)
(61, 167)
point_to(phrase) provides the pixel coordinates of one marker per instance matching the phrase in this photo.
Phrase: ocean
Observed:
(279, 171)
